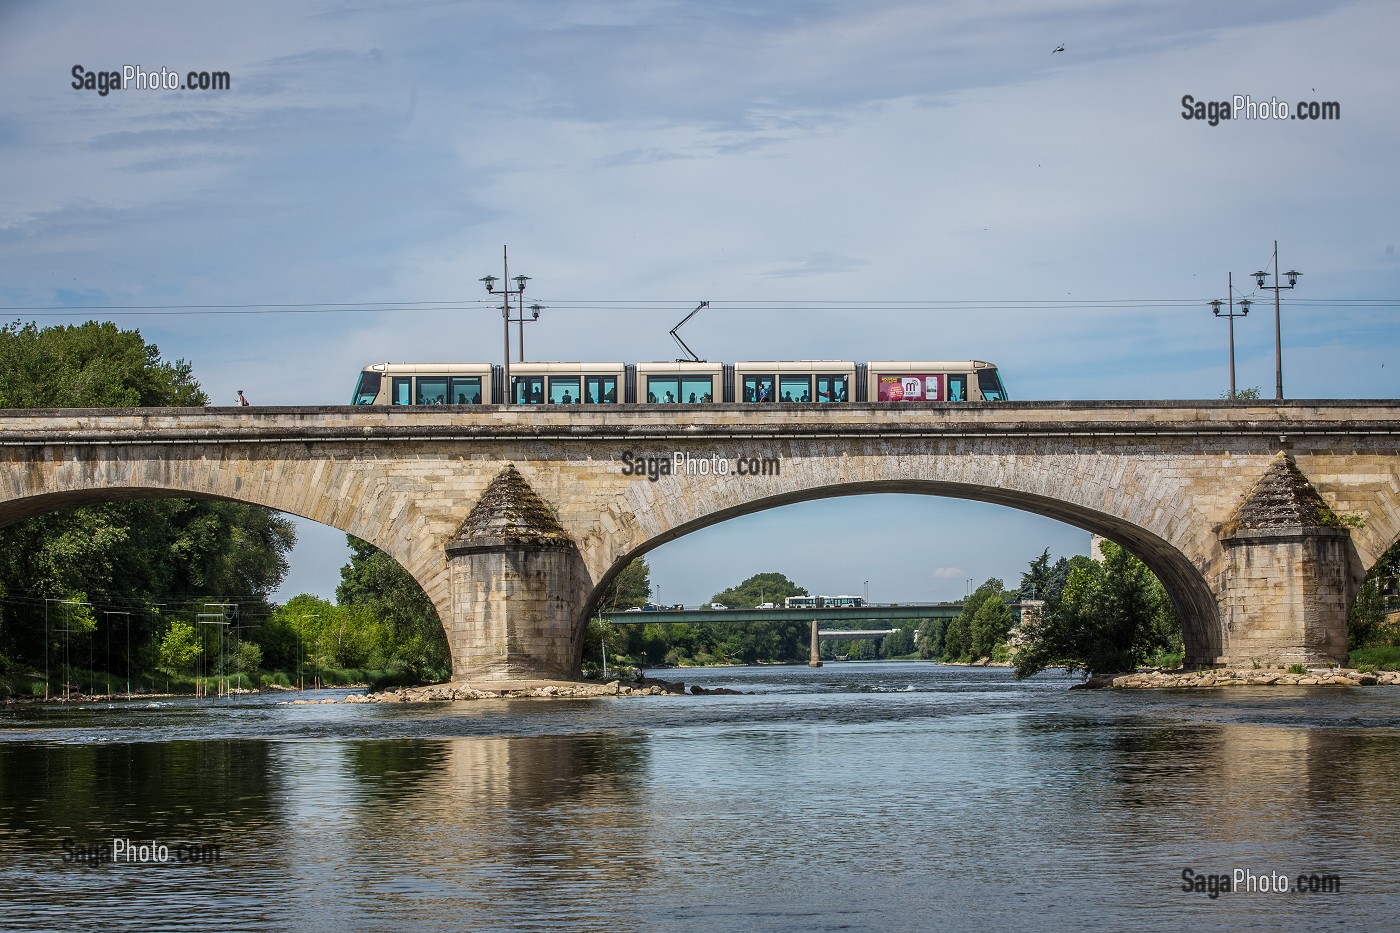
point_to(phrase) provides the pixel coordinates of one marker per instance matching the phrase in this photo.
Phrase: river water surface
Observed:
(861, 796)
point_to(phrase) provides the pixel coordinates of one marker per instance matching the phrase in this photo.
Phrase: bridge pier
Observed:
(517, 589)
(1291, 575)
(815, 660)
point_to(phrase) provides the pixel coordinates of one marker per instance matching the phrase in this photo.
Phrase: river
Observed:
(860, 796)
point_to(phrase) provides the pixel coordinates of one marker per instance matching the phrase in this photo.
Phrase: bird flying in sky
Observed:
(1060, 49)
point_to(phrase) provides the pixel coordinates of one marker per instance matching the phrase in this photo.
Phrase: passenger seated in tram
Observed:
(692, 399)
(568, 399)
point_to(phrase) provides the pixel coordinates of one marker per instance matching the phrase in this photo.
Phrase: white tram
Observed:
(785, 382)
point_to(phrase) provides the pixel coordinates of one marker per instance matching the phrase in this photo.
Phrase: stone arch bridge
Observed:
(1261, 518)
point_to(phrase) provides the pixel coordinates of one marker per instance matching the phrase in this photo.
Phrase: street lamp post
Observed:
(506, 319)
(1259, 278)
(522, 320)
(1244, 304)
(866, 600)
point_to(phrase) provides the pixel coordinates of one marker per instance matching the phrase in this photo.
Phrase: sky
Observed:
(882, 180)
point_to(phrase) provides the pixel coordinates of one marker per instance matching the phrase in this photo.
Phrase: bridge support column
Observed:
(1291, 575)
(1288, 598)
(816, 658)
(517, 589)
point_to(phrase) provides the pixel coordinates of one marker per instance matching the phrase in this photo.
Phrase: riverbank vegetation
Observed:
(172, 595)
(1373, 632)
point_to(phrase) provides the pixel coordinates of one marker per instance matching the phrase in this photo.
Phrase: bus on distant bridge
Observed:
(822, 602)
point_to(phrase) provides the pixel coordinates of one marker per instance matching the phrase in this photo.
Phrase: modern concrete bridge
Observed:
(1260, 518)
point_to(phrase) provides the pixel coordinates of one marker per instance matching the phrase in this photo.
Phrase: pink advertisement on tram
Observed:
(911, 387)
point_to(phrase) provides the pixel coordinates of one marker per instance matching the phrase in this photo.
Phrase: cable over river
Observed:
(859, 796)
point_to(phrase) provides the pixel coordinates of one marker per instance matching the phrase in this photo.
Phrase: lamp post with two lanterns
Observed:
(1243, 304)
(506, 319)
(1259, 278)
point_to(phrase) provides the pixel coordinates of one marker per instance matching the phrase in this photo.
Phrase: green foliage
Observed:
(127, 556)
(179, 648)
(1378, 658)
(393, 623)
(1296, 669)
(247, 658)
(1371, 623)
(931, 635)
(957, 640)
(1243, 395)
(1111, 616)
(630, 588)
(991, 623)
(92, 365)
(758, 589)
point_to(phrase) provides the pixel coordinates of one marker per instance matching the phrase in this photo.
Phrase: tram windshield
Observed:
(989, 384)
(367, 389)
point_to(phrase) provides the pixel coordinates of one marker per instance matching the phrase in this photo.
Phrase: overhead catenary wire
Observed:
(672, 305)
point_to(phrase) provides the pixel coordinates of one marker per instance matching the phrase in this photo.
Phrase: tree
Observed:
(92, 365)
(1112, 615)
(1044, 580)
(991, 624)
(126, 555)
(179, 648)
(757, 589)
(1367, 626)
(384, 593)
(957, 640)
(931, 633)
(630, 588)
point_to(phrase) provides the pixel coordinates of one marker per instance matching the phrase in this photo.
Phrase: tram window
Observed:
(795, 388)
(367, 390)
(831, 388)
(989, 384)
(431, 390)
(527, 390)
(563, 390)
(464, 390)
(402, 391)
(758, 388)
(600, 390)
(697, 390)
(957, 387)
(663, 390)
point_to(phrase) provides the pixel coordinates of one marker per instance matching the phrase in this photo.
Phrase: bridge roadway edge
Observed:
(1159, 477)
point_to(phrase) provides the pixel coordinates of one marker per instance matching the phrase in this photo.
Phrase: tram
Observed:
(797, 382)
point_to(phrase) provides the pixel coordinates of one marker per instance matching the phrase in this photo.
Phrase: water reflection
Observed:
(861, 797)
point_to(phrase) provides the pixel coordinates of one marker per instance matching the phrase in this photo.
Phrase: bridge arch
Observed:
(1186, 585)
(427, 573)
